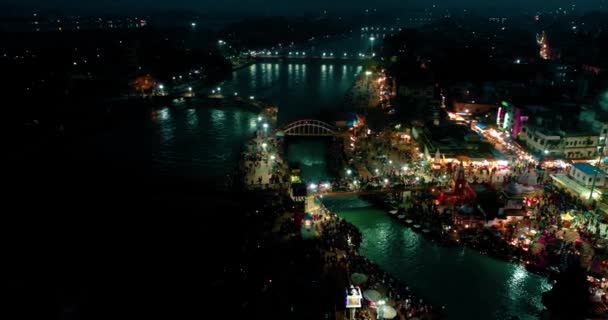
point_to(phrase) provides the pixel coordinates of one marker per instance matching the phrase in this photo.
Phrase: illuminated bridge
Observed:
(311, 57)
(309, 128)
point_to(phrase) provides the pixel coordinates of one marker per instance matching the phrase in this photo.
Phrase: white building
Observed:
(584, 173)
(560, 144)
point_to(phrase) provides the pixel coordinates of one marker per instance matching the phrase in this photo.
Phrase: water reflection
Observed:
(166, 126)
(217, 116)
(471, 285)
(192, 119)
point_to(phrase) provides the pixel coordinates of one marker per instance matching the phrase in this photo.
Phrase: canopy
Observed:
(358, 278)
(372, 295)
(388, 312)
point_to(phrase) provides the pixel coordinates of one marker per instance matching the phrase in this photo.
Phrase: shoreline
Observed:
(516, 256)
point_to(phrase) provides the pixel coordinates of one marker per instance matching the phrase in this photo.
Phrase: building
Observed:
(571, 145)
(579, 181)
(540, 141)
(580, 145)
(510, 118)
(584, 173)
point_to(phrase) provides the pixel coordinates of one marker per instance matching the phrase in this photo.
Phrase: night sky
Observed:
(282, 6)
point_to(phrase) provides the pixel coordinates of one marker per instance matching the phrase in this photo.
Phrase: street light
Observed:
(251, 97)
(349, 172)
(190, 89)
(265, 125)
(372, 40)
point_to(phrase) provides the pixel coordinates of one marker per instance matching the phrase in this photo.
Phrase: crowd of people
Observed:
(262, 163)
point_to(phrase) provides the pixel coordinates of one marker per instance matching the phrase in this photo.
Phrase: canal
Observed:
(470, 285)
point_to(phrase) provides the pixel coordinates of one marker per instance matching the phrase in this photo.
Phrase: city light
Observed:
(251, 97)
(349, 172)
(265, 125)
(161, 87)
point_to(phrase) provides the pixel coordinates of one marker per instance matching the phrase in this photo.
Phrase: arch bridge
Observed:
(309, 128)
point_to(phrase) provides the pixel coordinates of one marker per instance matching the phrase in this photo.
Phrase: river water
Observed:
(470, 285)
(204, 143)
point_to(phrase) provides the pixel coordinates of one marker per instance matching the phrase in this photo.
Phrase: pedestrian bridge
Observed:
(309, 128)
(267, 57)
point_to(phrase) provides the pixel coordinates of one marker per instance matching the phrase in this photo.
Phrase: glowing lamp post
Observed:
(371, 39)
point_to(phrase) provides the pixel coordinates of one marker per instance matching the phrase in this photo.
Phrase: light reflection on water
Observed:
(301, 90)
(471, 285)
(192, 119)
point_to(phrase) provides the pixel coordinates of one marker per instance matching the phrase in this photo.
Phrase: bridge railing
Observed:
(309, 128)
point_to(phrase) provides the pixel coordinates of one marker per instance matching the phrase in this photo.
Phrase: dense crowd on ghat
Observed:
(262, 162)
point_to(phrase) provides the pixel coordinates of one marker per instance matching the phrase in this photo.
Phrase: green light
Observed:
(504, 104)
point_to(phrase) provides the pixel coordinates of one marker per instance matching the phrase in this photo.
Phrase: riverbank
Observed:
(435, 224)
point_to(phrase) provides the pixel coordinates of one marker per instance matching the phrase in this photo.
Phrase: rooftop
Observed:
(588, 169)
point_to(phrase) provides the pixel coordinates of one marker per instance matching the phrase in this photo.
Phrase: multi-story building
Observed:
(540, 140)
(559, 143)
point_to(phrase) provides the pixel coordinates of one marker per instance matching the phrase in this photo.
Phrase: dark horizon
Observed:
(275, 7)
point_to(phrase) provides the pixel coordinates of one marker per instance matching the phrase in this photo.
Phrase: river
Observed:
(204, 143)
(469, 284)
